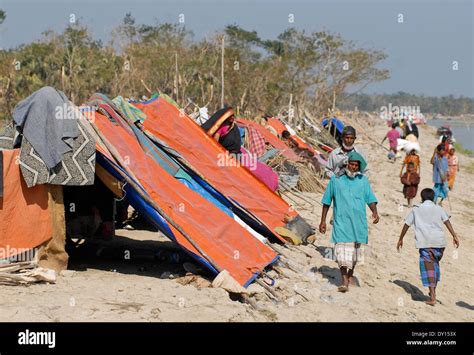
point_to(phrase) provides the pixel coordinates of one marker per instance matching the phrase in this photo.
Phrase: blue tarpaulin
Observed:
(336, 122)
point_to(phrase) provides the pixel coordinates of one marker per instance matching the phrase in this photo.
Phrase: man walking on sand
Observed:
(349, 194)
(440, 173)
(428, 220)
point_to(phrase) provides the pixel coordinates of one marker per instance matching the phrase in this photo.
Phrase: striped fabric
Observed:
(429, 265)
(129, 110)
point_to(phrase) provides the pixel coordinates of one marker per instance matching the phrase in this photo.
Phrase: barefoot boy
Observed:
(428, 220)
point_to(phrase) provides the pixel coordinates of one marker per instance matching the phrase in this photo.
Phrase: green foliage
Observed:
(260, 74)
(460, 149)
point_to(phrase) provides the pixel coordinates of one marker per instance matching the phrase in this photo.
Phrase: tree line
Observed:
(444, 105)
(296, 75)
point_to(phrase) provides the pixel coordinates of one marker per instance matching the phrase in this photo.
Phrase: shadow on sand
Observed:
(465, 305)
(415, 293)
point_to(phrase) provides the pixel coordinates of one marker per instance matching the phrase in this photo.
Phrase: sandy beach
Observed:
(390, 288)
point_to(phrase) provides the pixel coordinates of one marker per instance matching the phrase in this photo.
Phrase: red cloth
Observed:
(410, 183)
(256, 142)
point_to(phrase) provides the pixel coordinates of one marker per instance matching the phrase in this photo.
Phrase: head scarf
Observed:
(231, 141)
(217, 120)
(356, 156)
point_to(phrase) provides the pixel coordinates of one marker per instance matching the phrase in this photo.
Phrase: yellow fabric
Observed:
(111, 182)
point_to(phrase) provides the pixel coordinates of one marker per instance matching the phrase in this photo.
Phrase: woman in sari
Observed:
(221, 126)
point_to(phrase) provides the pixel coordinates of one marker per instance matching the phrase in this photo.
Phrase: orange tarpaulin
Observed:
(280, 127)
(208, 157)
(25, 219)
(227, 243)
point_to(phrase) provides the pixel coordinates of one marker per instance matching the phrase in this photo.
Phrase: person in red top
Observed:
(392, 136)
(410, 181)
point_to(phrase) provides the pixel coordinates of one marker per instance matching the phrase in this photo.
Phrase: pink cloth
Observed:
(261, 171)
(392, 136)
(223, 131)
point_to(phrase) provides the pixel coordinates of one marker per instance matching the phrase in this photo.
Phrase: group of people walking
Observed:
(349, 192)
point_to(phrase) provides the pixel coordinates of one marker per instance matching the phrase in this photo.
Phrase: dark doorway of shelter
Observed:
(89, 211)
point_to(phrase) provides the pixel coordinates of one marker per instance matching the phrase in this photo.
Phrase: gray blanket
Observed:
(48, 121)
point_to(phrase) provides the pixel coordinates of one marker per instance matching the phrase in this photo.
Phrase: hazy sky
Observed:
(421, 50)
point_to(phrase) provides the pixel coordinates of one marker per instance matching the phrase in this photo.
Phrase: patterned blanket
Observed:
(76, 169)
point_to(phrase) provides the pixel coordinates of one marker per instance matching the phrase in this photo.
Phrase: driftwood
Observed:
(12, 267)
(24, 273)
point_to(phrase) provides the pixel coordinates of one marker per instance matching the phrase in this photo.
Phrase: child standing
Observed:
(410, 181)
(414, 158)
(453, 164)
(428, 220)
(392, 136)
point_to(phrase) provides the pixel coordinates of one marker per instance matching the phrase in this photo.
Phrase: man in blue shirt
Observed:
(440, 173)
(349, 193)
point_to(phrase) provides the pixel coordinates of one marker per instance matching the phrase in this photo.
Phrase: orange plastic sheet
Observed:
(25, 219)
(207, 157)
(271, 138)
(228, 244)
(280, 127)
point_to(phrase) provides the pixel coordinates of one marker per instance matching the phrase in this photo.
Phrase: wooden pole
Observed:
(290, 116)
(176, 77)
(222, 70)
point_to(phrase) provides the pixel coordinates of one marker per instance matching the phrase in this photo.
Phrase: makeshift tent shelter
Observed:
(176, 166)
(127, 161)
(172, 126)
(202, 229)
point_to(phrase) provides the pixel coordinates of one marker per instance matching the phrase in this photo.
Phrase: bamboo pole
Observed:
(222, 71)
(176, 76)
(290, 116)
(269, 289)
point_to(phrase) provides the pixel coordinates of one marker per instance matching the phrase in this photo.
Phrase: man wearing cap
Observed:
(349, 193)
(337, 160)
